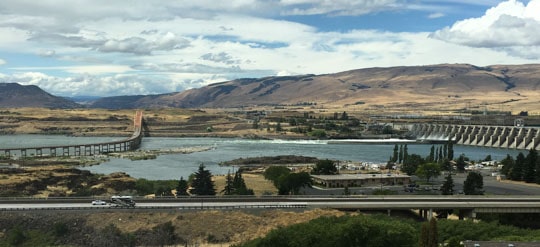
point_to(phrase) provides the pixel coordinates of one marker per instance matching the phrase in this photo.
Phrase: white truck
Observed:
(122, 201)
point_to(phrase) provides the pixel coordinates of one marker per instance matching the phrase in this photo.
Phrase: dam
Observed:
(511, 137)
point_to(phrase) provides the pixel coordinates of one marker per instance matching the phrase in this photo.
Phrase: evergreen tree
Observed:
(529, 171)
(440, 157)
(182, 187)
(400, 157)
(450, 151)
(239, 185)
(446, 165)
(445, 151)
(229, 186)
(517, 172)
(431, 156)
(473, 184)
(460, 163)
(507, 165)
(405, 153)
(448, 186)
(395, 154)
(202, 184)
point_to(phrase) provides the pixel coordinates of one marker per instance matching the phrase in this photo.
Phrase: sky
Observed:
(132, 47)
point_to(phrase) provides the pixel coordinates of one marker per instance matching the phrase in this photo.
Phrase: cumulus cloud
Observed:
(506, 26)
(2, 61)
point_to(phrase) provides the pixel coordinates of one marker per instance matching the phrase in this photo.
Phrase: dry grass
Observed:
(256, 182)
(196, 226)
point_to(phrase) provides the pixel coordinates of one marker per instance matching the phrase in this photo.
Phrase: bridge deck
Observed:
(128, 144)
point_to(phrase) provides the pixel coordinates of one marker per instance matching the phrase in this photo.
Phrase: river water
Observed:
(174, 166)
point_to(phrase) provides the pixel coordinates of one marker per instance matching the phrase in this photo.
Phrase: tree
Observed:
(400, 156)
(431, 156)
(517, 171)
(474, 184)
(460, 163)
(239, 185)
(411, 164)
(450, 151)
(448, 186)
(395, 154)
(292, 182)
(202, 183)
(182, 187)
(507, 165)
(273, 173)
(229, 187)
(529, 170)
(428, 234)
(325, 167)
(428, 170)
(446, 165)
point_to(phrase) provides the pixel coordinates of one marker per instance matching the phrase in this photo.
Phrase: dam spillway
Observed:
(511, 137)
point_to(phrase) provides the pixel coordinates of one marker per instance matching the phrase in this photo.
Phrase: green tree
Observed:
(182, 187)
(433, 240)
(450, 151)
(446, 165)
(529, 171)
(517, 172)
(428, 170)
(507, 165)
(448, 186)
(395, 154)
(202, 183)
(411, 164)
(239, 185)
(400, 155)
(431, 156)
(293, 182)
(460, 163)
(325, 167)
(273, 173)
(229, 186)
(473, 184)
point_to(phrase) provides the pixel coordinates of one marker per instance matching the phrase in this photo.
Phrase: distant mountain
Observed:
(16, 95)
(445, 85)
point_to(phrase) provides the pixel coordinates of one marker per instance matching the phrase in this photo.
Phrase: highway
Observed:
(502, 204)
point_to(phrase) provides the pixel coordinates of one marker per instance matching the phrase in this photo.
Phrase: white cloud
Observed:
(509, 25)
(436, 15)
(88, 69)
(2, 61)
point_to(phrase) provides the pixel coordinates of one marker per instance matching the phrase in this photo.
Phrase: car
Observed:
(99, 202)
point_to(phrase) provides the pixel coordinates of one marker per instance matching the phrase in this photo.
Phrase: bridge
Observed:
(513, 137)
(128, 144)
(468, 206)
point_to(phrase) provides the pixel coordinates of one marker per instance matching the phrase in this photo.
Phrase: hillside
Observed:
(16, 95)
(441, 87)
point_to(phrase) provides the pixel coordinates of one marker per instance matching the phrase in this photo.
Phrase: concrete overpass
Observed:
(480, 135)
(128, 144)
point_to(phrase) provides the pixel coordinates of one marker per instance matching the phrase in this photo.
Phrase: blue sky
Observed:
(108, 48)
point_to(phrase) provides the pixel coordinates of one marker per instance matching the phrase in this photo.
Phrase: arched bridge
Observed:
(480, 135)
(128, 144)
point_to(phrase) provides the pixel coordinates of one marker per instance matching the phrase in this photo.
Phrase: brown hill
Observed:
(434, 87)
(16, 95)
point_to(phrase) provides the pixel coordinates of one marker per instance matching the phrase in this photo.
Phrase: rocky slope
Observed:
(436, 86)
(16, 95)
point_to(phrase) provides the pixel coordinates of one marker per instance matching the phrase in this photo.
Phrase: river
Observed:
(174, 166)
